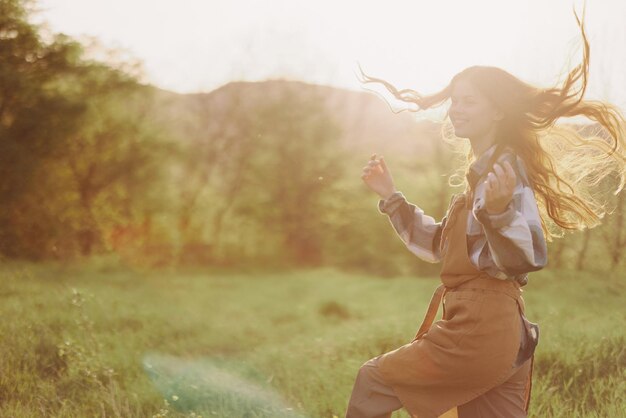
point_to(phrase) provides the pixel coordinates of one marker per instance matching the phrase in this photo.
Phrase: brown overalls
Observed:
(474, 349)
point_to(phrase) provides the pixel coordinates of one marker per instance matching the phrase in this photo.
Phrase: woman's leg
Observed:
(504, 401)
(371, 397)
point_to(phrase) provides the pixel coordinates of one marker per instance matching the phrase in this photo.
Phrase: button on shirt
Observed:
(506, 245)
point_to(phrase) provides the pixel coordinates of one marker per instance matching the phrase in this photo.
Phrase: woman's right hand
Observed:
(378, 178)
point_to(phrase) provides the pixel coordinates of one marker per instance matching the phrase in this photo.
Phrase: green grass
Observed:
(84, 342)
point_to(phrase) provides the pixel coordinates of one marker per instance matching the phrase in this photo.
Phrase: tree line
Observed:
(94, 162)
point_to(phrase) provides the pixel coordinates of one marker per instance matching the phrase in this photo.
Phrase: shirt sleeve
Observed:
(515, 237)
(419, 232)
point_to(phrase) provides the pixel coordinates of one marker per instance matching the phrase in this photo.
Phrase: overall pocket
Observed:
(463, 309)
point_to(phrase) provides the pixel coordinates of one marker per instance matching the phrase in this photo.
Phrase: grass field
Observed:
(90, 341)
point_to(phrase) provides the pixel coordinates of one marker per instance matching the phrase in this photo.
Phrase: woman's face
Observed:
(471, 113)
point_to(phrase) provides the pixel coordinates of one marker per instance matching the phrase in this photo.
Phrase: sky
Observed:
(198, 45)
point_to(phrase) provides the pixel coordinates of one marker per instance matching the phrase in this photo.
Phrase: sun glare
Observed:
(199, 45)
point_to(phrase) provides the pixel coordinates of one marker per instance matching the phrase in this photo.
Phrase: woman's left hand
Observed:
(499, 188)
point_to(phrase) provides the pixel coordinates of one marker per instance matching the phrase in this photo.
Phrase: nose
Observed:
(457, 110)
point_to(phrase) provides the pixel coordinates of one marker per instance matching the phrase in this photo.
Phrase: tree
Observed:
(289, 178)
(35, 116)
(78, 151)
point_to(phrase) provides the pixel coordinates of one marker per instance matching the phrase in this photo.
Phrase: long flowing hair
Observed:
(566, 166)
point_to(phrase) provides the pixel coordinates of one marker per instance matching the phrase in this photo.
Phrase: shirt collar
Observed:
(480, 166)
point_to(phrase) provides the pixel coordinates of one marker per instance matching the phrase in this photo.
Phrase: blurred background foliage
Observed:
(256, 174)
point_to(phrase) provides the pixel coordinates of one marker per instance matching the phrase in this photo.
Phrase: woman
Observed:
(477, 360)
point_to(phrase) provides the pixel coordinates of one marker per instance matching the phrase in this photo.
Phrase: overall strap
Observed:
(469, 193)
(433, 307)
(532, 334)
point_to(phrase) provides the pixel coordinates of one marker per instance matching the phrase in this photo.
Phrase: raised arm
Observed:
(514, 236)
(419, 232)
